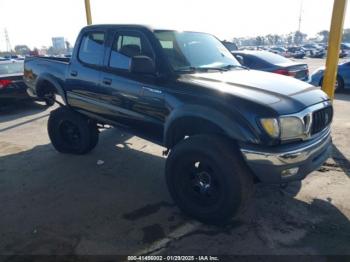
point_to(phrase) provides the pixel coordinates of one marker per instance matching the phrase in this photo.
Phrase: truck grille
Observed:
(321, 119)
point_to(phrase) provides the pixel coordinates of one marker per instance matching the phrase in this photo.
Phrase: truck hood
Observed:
(283, 94)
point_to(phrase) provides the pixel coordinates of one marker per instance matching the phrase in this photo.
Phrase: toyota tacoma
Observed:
(225, 127)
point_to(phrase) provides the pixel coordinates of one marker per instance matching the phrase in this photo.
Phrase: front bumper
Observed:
(268, 165)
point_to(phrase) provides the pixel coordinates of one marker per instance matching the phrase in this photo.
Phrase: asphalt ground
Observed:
(65, 204)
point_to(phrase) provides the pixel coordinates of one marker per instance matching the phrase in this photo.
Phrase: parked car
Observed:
(3, 59)
(279, 51)
(312, 46)
(12, 86)
(343, 77)
(343, 53)
(314, 50)
(295, 52)
(345, 46)
(269, 62)
(223, 126)
(230, 45)
(344, 50)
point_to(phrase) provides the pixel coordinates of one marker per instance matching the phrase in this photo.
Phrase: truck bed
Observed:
(41, 68)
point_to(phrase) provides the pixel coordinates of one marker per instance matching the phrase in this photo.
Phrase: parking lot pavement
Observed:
(313, 63)
(65, 204)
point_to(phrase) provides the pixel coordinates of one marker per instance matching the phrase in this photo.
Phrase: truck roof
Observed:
(99, 26)
(139, 26)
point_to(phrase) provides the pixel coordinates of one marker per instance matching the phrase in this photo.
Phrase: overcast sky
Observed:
(34, 22)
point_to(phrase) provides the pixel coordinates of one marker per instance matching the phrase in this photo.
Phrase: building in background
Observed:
(58, 43)
(43, 51)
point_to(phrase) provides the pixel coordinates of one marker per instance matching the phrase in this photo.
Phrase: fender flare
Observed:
(58, 87)
(234, 126)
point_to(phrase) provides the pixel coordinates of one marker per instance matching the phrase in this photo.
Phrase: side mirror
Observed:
(240, 59)
(142, 65)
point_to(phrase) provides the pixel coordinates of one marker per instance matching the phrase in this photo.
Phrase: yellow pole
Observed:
(335, 37)
(88, 12)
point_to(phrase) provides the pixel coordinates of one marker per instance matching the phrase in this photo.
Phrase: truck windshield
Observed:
(188, 51)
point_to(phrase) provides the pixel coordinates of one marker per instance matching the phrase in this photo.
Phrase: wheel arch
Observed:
(201, 120)
(47, 83)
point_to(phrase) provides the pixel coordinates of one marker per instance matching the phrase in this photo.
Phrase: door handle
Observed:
(107, 81)
(73, 73)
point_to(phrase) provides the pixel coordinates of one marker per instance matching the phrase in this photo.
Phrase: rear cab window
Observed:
(91, 49)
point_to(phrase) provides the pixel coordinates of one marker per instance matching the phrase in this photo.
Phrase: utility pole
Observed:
(300, 14)
(335, 38)
(88, 12)
(8, 44)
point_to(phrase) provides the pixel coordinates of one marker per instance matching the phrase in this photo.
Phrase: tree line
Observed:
(293, 38)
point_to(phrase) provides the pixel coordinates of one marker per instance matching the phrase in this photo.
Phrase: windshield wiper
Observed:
(228, 67)
(193, 69)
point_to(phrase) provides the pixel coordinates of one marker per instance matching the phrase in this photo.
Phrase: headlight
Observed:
(271, 126)
(286, 127)
(291, 127)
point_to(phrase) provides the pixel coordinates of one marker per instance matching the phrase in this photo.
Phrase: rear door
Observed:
(84, 71)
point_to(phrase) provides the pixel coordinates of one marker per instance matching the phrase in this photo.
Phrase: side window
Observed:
(254, 62)
(249, 61)
(92, 48)
(260, 63)
(127, 45)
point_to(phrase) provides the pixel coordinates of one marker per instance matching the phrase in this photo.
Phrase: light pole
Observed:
(335, 37)
(88, 12)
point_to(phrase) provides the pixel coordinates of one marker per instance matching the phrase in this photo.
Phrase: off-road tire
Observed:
(230, 176)
(71, 132)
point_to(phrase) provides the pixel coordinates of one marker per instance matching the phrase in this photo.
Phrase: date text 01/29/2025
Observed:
(173, 258)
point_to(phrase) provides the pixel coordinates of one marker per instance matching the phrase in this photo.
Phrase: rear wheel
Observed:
(71, 132)
(208, 179)
(50, 99)
(339, 84)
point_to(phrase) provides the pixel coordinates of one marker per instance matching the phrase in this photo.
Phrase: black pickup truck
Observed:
(224, 127)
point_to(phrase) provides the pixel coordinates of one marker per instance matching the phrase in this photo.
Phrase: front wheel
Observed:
(71, 132)
(208, 179)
